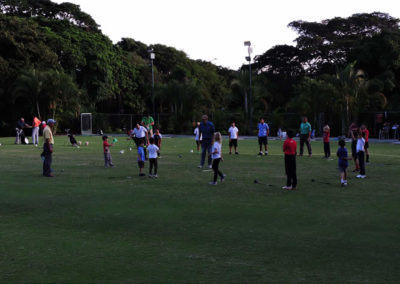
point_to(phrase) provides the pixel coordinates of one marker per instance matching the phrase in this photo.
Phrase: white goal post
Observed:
(86, 124)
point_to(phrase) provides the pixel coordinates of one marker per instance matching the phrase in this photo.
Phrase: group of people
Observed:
(210, 142)
(20, 134)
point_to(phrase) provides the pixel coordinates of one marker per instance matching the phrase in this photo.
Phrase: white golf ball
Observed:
(122, 151)
(87, 143)
(191, 151)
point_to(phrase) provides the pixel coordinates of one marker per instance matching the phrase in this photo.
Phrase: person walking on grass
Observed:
(327, 146)
(361, 154)
(343, 163)
(364, 129)
(153, 154)
(216, 156)
(207, 130)
(233, 138)
(305, 136)
(263, 132)
(48, 147)
(141, 158)
(290, 149)
(107, 152)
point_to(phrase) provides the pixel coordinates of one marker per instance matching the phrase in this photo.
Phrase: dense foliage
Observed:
(55, 61)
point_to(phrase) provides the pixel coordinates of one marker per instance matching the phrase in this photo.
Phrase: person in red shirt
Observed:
(289, 148)
(107, 153)
(327, 147)
(366, 146)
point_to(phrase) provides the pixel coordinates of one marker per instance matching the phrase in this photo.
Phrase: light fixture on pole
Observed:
(152, 57)
(248, 58)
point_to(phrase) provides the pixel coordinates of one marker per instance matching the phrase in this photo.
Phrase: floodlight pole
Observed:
(248, 58)
(152, 57)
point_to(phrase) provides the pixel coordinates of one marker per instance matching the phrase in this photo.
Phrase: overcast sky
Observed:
(214, 30)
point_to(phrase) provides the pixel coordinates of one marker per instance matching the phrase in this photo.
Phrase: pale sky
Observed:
(214, 30)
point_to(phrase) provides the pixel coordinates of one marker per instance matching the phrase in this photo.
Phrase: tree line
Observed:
(56, 62)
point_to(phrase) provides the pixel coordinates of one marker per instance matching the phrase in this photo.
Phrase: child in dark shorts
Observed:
(141, 158)
(343, 162)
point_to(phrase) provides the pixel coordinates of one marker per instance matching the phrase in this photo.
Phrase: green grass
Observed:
(91, 224)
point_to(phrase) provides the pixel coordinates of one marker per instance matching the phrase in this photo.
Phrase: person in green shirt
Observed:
(148, 122)
(305, 136)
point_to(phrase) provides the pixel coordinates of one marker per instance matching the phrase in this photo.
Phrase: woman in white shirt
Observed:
(216, 155)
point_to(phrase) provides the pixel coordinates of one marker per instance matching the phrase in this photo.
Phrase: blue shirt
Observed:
(140, 153)
(342, 153)
(262, 129)
(207, 129)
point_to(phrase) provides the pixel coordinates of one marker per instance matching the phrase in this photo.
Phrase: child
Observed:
(343, 162)
(233, 138)
(153, 151)
(197, 136)
(353, 133)
(216, 155)
(107, 153)
(141, 158)
(289, 148)
(360, 154)
(364, 129)
(157, 141)
(327, 147)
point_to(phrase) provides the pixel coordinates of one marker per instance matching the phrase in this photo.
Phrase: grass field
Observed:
(91, 224)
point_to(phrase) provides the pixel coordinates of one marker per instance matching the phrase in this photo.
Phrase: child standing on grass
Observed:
(289, 148)
(197, 136)
(141, 158)
(153, 151)
(327, 146)
(157, 141)
(216, 155)
(361, 154)
(107, 152)
(343, 162)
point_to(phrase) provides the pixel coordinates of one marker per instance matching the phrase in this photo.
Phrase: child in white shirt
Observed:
(197, 136)
(216, 155)
(233, 138)
(153, 153)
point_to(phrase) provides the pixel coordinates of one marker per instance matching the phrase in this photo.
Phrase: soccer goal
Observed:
(86, 124)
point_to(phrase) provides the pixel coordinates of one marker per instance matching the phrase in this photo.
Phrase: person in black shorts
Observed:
(353, 133)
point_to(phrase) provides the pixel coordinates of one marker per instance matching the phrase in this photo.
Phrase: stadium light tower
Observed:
(248, 58)
(152, 57)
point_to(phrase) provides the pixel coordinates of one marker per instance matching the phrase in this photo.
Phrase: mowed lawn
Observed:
(92, 224)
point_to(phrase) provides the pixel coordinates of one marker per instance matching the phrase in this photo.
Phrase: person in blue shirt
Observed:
(263, 132)
(343, 162)
(305, 136)
(206, 131)
(141, 158)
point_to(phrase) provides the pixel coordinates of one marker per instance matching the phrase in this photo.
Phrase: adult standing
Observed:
(20, 137)
(206, 131)
(48, 147)
(263, 132)
(305, 136)
(364, 129)
(353, 134)
(148, 122)
(35, 130)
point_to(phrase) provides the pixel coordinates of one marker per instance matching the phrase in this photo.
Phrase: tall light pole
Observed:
(152, 57)
(248, 58)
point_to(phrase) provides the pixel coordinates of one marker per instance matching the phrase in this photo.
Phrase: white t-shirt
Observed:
(197, 132)
(140, 133)
(152, 151)
(360, 144)
(216, 147)
(233, 131)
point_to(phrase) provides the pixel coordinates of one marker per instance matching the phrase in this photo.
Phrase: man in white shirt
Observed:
(361, 154)
(139, 134)
(233, 138)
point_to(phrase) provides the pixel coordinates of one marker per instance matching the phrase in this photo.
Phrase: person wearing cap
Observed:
(48, 146)
(206, 131)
